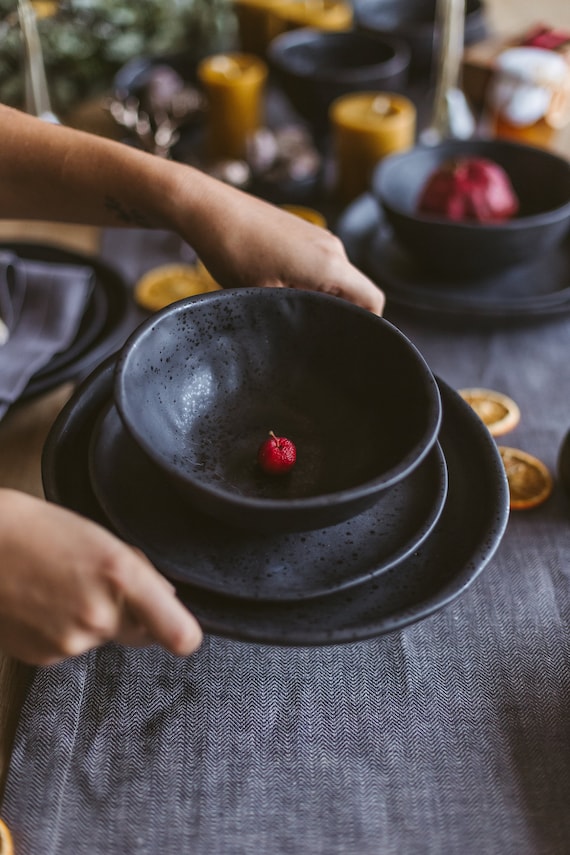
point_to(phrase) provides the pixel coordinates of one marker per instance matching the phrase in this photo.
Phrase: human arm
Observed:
(50, 172)
(67, 585)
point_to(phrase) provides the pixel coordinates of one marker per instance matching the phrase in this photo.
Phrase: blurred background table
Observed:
(23, 431)
(510, 16)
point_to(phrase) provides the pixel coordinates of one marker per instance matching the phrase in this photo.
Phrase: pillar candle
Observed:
(234, 86)
(260, 21)
(366, 126)
(258, 24)
(320, 14)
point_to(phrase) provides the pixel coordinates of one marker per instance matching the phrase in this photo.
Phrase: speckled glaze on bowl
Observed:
(199, 385)
(315, 67)
(465, 250)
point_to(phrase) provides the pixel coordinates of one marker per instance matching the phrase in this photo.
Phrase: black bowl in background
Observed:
(201, 383)
(315, 67)
(414, 21)
(465, 250)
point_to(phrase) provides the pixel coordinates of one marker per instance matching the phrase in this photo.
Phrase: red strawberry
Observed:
(470, 189)
(276, 455)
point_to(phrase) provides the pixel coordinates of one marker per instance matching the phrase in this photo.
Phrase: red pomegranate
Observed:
(471, 189)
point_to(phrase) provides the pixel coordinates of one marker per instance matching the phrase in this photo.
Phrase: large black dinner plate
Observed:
(521, 294)
(196, 549)
(450, 559)
(103, 329)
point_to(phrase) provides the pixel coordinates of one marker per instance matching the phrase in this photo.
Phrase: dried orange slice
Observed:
(496, 410)
(6, 845)
(530, 482)
(170, 282)
(308, 214)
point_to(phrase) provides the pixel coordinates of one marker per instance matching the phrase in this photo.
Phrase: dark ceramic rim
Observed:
(361, 614)
(312, 503)
(194, 571)
(396, 64)
(356, 227)
(551, 215)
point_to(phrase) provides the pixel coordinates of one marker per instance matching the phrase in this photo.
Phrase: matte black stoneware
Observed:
(450, 559)
(225, 560)
(201, 383)
(530, 293)
(414, 21)
(103, 329)
(563, 463)
(313, 67)
(462, 250)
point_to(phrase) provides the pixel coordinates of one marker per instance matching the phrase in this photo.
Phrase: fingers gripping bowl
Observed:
(200, 385)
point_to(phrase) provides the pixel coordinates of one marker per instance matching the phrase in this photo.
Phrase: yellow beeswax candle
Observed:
(320, 14)
(366, 126)
(258, 23)
(45, 8)
(234, 86)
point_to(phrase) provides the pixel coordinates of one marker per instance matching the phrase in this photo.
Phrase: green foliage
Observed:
(86, 41)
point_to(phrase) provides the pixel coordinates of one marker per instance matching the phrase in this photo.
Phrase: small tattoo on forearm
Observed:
(126, 215)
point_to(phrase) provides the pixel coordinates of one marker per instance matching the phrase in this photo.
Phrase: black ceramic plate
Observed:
(524, 293)
(196, 549)
(103, 329)
(466, 537)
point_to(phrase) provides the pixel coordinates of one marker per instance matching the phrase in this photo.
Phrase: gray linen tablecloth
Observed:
(450, 736)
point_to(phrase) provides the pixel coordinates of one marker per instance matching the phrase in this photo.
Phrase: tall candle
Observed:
(258, 23)
(320, 14)
(234, 86)
(366, 126)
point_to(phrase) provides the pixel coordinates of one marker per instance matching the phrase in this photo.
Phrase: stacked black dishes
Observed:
(358, 538)
(510, 270)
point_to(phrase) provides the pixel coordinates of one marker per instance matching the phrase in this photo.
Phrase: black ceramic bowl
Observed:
(200, 384)
(464, 250)
(414, 21)
(315, 67)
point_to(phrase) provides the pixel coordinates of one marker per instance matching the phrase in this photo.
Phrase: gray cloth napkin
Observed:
(41, 305)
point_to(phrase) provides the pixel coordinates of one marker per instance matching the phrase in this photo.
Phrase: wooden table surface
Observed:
(25, 427)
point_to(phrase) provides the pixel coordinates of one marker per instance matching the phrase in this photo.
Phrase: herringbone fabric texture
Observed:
(451, 736)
